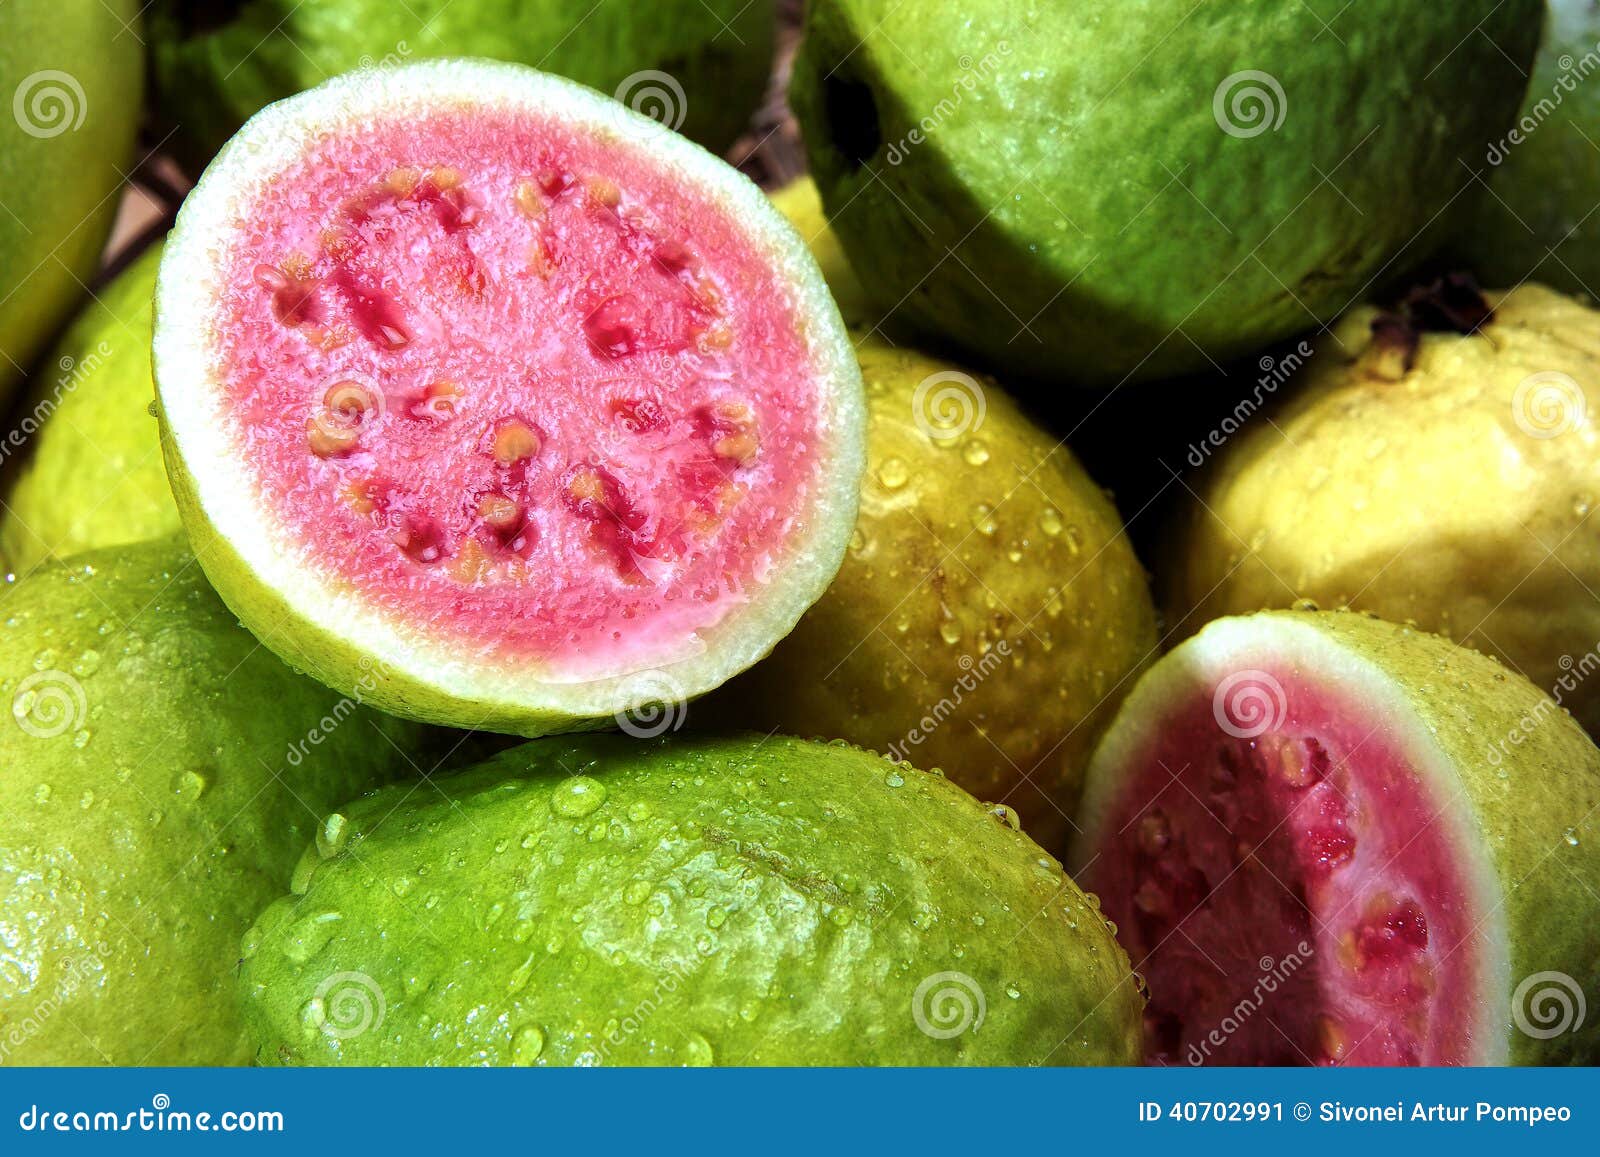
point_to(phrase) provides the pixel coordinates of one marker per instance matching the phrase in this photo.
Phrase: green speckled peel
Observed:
(727, 901)
(73, 77)
(159, 772)
(91, 476)
(1514, 785)
(1544, 183)
(212, 73)
(1092, 190)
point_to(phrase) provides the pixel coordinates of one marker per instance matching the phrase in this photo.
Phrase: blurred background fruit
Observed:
(71, 76)
(699, 65)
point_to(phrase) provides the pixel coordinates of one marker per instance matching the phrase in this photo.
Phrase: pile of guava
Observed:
(487, 582)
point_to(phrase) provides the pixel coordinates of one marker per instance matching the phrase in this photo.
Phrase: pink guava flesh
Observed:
(1293, 896)
(506, 380)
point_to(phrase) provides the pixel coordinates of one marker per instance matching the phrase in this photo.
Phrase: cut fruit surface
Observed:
(481, 377)
(1298, 826)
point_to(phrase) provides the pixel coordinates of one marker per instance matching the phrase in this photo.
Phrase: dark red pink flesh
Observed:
(1290, 888)
(510, 383)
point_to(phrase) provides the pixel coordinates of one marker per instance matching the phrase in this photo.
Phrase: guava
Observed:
(800, 202)
(1199, 181)
(1329, 839)
(1428, 475)
(84, 464)
(71, 79)
(733, 901)
(1537, 219)
(476, 378)
(990, 613)
(700, 66)
(159, 774)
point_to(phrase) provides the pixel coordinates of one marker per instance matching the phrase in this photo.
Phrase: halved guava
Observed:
(1327, 839)
(476, 379)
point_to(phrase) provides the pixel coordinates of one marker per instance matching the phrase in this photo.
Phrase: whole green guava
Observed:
(159, 772)
(83, 459)
(1540, 217)
(1098, 191)
(71, 79)
(700, 66)
(737, 901)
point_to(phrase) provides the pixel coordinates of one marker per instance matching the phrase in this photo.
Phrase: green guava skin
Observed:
(210, 75)
(1544, 189)
(141, 840)
(1124, 235)
(90, 475)
(1524, 774)
(60, 181)
(739, 901)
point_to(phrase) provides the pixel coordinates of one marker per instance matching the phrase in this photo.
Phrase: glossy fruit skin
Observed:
(744, 900)
(990, 614)
(1456, 495)
(1519, 779)
(91, 475)
(802, 204)
(73, 80)
(1544, 184)
(159, 774)
(211, 73)
(1166, 207)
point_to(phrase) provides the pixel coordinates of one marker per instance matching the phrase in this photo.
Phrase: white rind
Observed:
(417, 674)
(1274, 642)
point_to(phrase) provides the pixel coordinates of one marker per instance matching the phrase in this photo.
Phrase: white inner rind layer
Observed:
(1277, 643)
(333, 630)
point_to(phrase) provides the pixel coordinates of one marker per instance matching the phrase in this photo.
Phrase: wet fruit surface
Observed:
(1289, 887)
(495, 373)
(747, 900)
